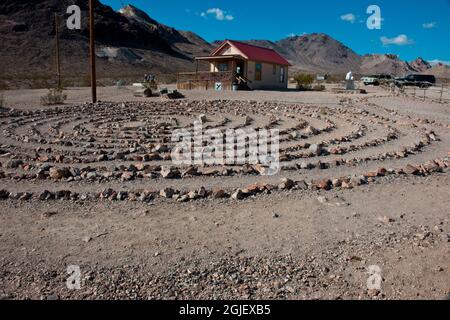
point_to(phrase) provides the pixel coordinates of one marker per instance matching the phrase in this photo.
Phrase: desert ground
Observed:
(364, 185)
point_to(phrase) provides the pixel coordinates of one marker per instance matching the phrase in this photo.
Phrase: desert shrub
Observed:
(53, 97)
(319, 87)
(335, 78)
(304, 81)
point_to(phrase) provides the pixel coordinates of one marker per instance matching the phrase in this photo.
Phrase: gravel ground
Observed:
(320, 238)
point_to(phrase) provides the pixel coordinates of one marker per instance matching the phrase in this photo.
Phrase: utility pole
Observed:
(58, 67)
(92, 51)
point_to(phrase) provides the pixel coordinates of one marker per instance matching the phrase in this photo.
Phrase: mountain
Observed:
(320, 53)
(420, 65)
(129, 43)
(385, 64)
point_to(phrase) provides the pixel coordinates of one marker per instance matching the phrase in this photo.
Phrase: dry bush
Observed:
(53, 97)
(304, 81)
(318, 87)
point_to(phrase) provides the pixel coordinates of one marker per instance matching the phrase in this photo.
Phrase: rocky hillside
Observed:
(320, 53)
(129, 43)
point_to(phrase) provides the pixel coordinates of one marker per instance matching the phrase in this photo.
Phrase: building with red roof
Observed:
(239, 65)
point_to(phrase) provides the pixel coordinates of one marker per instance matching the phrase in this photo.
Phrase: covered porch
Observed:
(225, 71)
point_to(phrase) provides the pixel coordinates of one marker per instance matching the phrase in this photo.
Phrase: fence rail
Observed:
(439, 92)
(204, 80)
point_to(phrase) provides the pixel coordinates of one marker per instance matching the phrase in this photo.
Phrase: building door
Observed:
(240, 68)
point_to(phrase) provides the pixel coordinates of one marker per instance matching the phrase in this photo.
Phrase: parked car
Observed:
(416, 80)
(376, 80)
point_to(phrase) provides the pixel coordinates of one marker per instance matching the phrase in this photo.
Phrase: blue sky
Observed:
(410, 28)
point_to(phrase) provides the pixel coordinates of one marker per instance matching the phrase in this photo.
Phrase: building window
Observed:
(223, 66)
(274, 71)
(282, 75)
(258, 72)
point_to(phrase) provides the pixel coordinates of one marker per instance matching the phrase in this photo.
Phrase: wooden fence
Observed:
(204, 80)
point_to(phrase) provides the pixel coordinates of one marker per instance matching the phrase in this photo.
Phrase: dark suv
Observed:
(416, 80)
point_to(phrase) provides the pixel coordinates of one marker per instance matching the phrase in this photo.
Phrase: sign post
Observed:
(92, 50)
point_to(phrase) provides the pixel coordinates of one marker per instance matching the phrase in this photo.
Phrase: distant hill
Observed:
(320, 53)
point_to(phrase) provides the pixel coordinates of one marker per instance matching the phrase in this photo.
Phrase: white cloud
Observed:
(436, 61)
(218, 13)
(349, 17)
(291, 35)
(400, 40)
(429, 25)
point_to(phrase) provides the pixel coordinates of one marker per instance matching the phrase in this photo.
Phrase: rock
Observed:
(146, 196)
(385, 220)
(202, 193)
(48, 214)
(107, 193)
(311, 130)
(202, 118)
(336, 183)
(14, 163)
(238, 195)
(346, 185)
(4, 194)
(324, 184)
(167, 193)
(127, 176)
(91, 175)
(305, 165)
(184, 198)
(286, 184)
(119, 155)
(218, 193)
(59, 173)
(259, 168)
(86, 239)
(122, 195)
(102, 157)
(191, 171)
(322, 200)
(410, 169)
(316, 149)
(26, 196)
(169, 173)
(302, 185)
(46, 195)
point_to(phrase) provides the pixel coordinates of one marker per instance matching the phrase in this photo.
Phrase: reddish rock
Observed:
(324, 184)
(371, 174)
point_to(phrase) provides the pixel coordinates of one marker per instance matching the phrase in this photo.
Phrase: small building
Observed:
(241, 65)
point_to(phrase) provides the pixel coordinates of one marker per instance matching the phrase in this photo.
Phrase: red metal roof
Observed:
(256, 53)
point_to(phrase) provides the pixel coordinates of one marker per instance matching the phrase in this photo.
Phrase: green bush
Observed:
(54, 97)
(2, 100)
(304, 81)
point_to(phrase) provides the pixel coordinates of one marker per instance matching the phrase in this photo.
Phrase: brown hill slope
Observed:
(126, 46)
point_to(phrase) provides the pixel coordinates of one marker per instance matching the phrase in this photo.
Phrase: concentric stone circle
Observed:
(122, 151)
